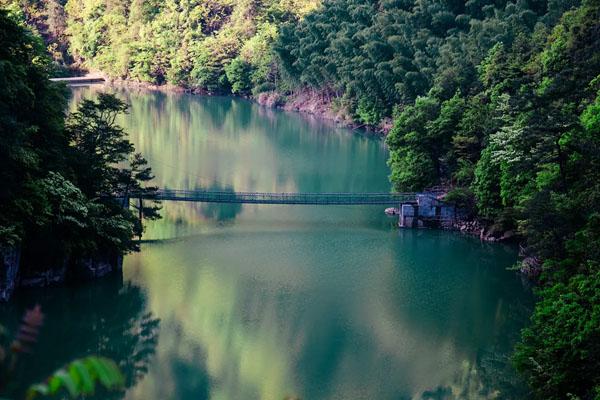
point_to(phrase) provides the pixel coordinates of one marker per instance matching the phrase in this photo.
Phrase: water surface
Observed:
(271, 301)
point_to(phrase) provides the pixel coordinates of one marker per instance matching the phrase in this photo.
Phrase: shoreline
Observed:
(305, 101)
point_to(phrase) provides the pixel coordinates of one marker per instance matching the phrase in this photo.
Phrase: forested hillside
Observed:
(47, 19)
(378, 54)
(215, 45)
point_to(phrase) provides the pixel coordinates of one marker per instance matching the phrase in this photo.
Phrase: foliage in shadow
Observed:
(108, 318)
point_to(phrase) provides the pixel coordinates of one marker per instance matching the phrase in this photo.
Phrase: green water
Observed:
(263, 302)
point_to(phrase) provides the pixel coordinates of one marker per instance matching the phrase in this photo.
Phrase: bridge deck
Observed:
(284, 198)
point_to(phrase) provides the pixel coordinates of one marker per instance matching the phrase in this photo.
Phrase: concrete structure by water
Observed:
(427, 210)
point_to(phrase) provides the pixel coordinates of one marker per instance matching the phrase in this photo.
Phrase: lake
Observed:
(248, 302)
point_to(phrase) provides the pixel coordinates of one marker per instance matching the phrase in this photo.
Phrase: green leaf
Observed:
(54, 383)
(33, 391)
(106, 370)
(80, 378)
(77, 368)
(67, 382)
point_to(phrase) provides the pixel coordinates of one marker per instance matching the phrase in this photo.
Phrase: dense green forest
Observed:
(497, 100)
(374, 55)
(215, 45)
(61, 179)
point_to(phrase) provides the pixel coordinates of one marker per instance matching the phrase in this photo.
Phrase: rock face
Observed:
(79, 269)
(49, 277)
(477, 228)
(319, 103)
(270, 99)
(97, 267)
(531, 267)
(9, 270)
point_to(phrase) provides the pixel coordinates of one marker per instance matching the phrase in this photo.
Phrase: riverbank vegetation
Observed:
(523, 147)
(63, 182)
(499, 101)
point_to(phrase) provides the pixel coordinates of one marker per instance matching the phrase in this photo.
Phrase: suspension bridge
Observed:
(209, 196)
(414, 209)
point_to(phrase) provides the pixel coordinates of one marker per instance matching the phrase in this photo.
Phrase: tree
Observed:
(98, 144)
(31, 120)
(109, 171)
(238, 74)
(414, 152)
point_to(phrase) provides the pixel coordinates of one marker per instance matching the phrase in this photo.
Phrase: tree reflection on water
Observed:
(220, 212)
(106, 317)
